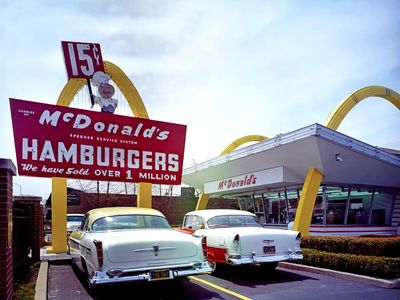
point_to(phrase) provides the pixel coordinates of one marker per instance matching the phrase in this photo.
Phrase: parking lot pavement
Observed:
(61, 282)
(389, 284)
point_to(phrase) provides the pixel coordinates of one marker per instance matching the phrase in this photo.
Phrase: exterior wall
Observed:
(7, 171)
(37, 222)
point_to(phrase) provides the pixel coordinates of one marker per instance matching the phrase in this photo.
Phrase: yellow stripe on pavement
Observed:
(217, 287)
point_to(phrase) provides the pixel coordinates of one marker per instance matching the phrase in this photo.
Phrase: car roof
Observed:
(122, 210)
(78, 215)
(207, 214)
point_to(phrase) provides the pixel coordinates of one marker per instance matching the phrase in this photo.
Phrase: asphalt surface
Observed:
(289, 281)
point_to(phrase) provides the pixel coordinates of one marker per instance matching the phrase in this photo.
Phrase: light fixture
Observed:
(338, 157)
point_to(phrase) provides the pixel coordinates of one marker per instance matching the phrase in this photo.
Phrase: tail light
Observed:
(236, 239)
(298, 237)
(99, 250)
(204, 245)
(298, 241)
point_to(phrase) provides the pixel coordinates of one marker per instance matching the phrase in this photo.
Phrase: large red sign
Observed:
(57, 141)
(82, 60)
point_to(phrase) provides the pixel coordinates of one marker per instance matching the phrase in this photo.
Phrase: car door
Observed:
(75, 240)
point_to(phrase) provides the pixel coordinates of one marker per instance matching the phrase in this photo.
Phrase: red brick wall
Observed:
(174, 208)
(7, 171)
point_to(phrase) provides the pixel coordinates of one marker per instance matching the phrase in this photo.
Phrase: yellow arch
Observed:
(339, 113)
(203, 199)
(243, 140)
(59, 185)
(314, 177)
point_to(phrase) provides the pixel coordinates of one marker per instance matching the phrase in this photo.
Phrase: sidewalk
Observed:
(41, 288)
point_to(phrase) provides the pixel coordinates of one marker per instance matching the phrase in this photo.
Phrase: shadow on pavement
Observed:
(253, 275)
(66, 282)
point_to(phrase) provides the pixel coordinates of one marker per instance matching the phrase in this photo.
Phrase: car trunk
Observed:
(262, 241)
(258, 240)
(147, 245)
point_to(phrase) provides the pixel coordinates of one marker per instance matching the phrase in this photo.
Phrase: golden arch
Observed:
(339, 113)
(314, 177)
(203, 199)
(243, 140)
(59, 185)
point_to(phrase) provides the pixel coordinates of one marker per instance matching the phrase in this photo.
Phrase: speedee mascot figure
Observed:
(105, 91)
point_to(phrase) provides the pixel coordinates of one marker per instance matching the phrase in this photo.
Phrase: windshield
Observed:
(233, 221)
(129, 222)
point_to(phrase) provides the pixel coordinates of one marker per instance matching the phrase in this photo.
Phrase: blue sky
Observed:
(224, 68)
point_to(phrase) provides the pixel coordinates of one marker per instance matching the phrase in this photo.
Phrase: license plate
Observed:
(269, 249)
(159, 274)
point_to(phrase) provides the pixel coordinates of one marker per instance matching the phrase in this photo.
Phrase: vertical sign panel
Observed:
(82, 60)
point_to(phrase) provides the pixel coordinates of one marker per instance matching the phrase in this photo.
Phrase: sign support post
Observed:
(144, 195)
(58, 215)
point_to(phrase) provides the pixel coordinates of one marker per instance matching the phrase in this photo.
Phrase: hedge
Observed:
(375, 266)
(370, 246)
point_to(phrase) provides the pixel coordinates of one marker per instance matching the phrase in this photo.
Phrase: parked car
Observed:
(123, 244)
(73, 222)
(235, 237)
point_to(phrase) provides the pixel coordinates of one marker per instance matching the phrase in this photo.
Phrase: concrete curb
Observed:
(41, 281)
(385, 283)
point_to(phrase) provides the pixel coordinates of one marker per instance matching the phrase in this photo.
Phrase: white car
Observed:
(123, 244)
(73, 222)
(235, 237)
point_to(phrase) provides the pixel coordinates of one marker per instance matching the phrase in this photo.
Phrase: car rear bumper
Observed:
(102, 277)
(257, 259)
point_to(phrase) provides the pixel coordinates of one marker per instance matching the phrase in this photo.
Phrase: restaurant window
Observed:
(273, 204)
(336, 199)
(318, 212)
(360, 206)
(281, 206)
(276, 207)
(293, 198)
(382, 208)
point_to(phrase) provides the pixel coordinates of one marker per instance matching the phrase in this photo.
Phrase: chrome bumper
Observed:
(257, 259)
(101, 277)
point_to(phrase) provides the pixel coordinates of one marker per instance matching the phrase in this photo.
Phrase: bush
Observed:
(375, 266)
(374, 246)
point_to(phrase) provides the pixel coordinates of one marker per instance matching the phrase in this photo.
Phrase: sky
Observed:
(225, 69)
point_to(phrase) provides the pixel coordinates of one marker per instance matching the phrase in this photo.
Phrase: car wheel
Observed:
(86, 274)
(268, 267)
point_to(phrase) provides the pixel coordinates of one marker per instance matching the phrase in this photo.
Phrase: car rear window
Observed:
(233, 221)
(74, 218)
(123, 222)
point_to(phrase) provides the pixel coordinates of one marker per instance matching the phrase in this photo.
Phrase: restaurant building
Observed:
(359, 193)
